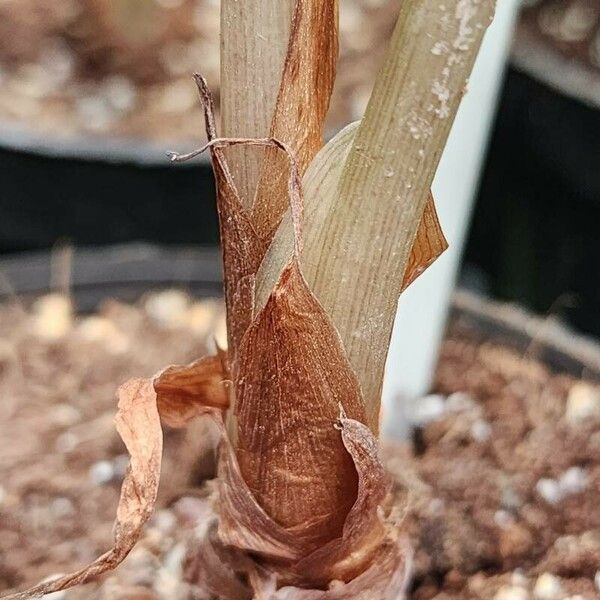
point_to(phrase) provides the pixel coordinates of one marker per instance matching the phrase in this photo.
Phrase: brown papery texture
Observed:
(429, 244)
(138, 422)
(302, 104)
(368, 557)
(241, 246)
(293, 378)
(185, 392)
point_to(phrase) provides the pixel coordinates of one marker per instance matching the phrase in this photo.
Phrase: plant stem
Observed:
(357, 251)
(254, 40)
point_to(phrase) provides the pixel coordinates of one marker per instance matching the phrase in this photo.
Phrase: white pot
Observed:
(422, 312)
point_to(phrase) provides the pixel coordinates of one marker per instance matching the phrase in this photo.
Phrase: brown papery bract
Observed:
(293, 378)
(302, 103)
(241, 246)
(369, 554)
(429, 244)
(138, 423)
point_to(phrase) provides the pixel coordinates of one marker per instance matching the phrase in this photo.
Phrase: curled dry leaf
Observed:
(138, 423)
(429, 244)
(184, 392)
(368, 554)
(302, 103)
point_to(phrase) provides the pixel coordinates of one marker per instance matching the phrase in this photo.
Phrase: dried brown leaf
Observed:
(184, 392)
(429, 244)
(138, 422)
(369, 553)
(241, 246)
(213, 567)
(387, 578)
(293, 376)
(243, 523)
(302, 103)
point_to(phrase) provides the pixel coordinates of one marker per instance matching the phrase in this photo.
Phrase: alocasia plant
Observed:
(302, 507)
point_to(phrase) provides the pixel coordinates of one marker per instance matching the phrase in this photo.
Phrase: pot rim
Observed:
(100, 148)
(546, 338)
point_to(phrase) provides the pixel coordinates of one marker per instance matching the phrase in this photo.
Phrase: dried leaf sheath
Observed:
(430, 243)
(241, 246)
(138, 423)
(302, 103)
(293, 377)
(369, 553)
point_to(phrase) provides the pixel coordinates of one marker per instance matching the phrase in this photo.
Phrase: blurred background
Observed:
(94, 92)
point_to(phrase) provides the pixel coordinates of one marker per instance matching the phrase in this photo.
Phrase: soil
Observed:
(499, 482)
(123, 67)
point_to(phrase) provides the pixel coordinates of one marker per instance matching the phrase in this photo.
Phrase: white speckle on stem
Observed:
(439, 48)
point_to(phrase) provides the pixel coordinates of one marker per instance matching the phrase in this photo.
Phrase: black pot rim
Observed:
(98, 148)
(123, 272)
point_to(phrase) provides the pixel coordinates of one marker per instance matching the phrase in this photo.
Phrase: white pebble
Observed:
(102, 472)
(573, 481)
(169, 308)
(597, 580)
(460, 402)
(95, 113)
(549, 490)
(62, 507)
(120, 465)
(53, 315)
(481, 431)
(65, 415)
(511, 592)
(97, 329)
(164, 520)
(547, 587)
(503, 519)
(2, 495)
(583, 403)
(60, 595)
(120, 93)
(58, 60)
(427, 409)
(575, 597)
(517, 578)
(201, 316)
